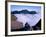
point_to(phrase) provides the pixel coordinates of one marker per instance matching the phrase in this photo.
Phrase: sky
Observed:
(29, 8)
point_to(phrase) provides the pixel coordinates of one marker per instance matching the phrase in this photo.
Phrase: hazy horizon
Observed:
(29, 8)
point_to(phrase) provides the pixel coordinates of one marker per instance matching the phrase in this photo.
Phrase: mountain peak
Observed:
(24, 12)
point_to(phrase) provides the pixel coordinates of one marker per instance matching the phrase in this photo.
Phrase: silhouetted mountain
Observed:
(24, 12)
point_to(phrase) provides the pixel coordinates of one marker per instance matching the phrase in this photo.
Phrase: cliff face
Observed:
(24, 12)
(15, 24)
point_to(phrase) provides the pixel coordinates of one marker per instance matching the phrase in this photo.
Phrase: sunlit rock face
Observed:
(15, 24)
(30, 17)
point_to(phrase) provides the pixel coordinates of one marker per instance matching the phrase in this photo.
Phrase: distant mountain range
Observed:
(24, 12)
